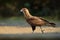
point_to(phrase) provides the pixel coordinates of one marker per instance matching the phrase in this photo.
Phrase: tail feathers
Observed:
(53, 24)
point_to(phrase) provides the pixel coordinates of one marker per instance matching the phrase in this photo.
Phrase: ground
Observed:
(22, 30)
(25, 33)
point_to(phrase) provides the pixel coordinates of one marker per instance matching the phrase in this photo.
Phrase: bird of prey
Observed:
(34, 20)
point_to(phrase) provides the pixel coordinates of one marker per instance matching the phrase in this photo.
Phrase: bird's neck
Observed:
(27, 14)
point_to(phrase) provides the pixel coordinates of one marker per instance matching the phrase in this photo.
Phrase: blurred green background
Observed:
(10, 10)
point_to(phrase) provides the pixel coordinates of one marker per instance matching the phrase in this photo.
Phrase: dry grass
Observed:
(22, 30)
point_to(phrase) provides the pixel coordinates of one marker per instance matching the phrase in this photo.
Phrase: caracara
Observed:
(34, 20)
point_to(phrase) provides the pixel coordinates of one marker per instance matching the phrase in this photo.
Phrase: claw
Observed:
(42, 31)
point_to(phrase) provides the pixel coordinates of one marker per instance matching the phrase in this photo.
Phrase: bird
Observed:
(35, 21)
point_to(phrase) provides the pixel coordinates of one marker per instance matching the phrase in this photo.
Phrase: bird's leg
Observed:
(33, 28)
(41, 30)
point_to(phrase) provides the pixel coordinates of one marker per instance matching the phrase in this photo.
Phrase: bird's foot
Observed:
(32, 31)
(42, 31)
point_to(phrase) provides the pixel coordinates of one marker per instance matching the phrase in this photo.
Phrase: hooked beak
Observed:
(21, 10)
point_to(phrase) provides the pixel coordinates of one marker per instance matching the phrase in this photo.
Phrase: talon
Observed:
(42, 31)
(33, 32)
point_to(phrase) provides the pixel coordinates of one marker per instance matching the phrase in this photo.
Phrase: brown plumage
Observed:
(35, 21)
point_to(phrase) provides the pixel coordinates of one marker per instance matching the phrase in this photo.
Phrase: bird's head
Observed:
(24, 10)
